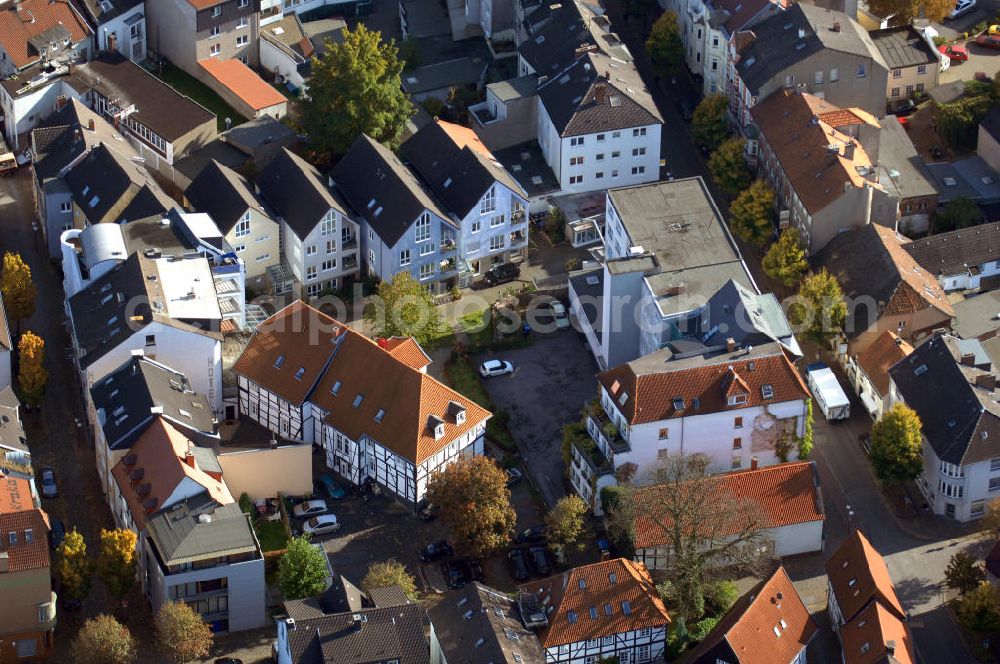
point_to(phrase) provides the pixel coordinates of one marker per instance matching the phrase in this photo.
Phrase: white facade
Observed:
(26, 110)
(126, 32)
(634, 647)
(969, 279)
(327, 254)
(288, 420)
(426, 250)
(617, 158)
(494, 231)
(959, 492)
(274, 58)
(874, 402)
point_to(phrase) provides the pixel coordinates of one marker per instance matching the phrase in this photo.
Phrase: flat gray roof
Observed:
(977, 315)
(903, 47)
(907, 171)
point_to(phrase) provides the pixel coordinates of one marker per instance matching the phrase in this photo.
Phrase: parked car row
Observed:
(530, 561)
(458, 573)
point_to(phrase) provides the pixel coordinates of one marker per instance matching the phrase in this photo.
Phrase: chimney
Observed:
(986, 381)
(189, 455)
(969, 359)
(60, 102)
(849, 150)
(836, 26)
(600, 93)
(730, 345)
(890, 647)
(753, 464)
(90, 124)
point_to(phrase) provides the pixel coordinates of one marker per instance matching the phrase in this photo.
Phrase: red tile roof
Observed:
(406, 350)
(22, 21)
(865, 638)
(858, 575)
(884, 352)
(19, 515)
(651, 395)
(463, 136)
(598, 589)
(917, 288)
(157, 468)
(304, 337)
(768, 625)
(786, 494)
(243, 82)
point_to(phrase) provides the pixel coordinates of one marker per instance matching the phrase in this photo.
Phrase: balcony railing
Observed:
(605, 433)
(518, 239)
(593, 458)
(351, 262)
(349, 243)
(448, 246)
(518, 217)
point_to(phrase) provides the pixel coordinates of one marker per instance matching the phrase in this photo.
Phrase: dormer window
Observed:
(436, 426)
(767, 391)
(737, 399)
(457, 411)
(678, 403)
(439, 431)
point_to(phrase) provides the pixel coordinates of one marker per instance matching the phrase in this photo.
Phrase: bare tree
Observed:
(703, 527)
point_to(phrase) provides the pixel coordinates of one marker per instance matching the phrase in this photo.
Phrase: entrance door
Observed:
(949, 510)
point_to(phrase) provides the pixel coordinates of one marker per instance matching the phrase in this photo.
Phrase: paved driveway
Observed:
(552, 379)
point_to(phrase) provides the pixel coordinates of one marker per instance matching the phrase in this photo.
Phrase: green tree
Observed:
(728, 166)
(18, 289)
(182, 633)
(664, 45)
(104, 640)
(904, 11)
(73, 568)
(404, 308)
(117, 564)
(32, 377)
(703, 526)
(806, 441)
(959, 213)
(720, 597)
(785, 260)
(355, 89)
(710, 124)
(302, 570)
(989, 525)
(387, 573)
(566, 521)
(474, 500)
(964, 573)
(750, 213)
(896, 445)
(978, 610)
(819, 308)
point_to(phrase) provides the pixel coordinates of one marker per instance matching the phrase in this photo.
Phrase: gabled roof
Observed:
(105, 184)
(386, 634)
(956, 251)
(884, 352)
(571, 26)
(456, 165)
(65, 135)
(407, 351)
(297, 337)
(199, 528)
(871, 261)
(129, 399)
(224, 194)
(858, 575)
(243, 82)
(786, 494)
(620, 592)
(768, 625)
(960, 419)
(654, 382)
(800, 129)
(776, 46)
(877, 636)
(481, 625)
(408, 399)
(20, 515)
(22, 23)
(160, 460)
(103, 12)
(382, 190)
(297, 192)
(158, 106)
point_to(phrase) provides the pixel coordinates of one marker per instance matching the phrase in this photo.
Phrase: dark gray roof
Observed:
(954, 252)
(223, 194)
(960, 420)
(751, 319)
(459, 176)
(991, 123)
(903, 170)
(259, 132)
(126, 398)
(104, 183)
(903, 47)
(101, 11)
(388, 597)
(570, 27)
(777, 43)
(158, 106)
(218, 150)
(589, 288)
(373, 179)
(481, 625)
(297, 192)
(443, 75)
(395, 633)
(526, 163)
(65, 135)
(198, 528)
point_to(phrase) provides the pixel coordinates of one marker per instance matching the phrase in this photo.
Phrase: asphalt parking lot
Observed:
(552, 379)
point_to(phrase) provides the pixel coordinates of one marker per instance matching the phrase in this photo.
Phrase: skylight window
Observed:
(767, 391)
(94, 201)
(379, 415)
(335, 390)
(627, 608)
(299, 373)
(593, 613)
(279, 361)
(571, 617)
(358, 399)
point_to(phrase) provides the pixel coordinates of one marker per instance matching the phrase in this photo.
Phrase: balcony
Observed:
(348, 243)
(448, 246)
(605, 433)
(591, 457)
(448, 265)
(351, 262)
(518, 217)
(518, 239)
(482, 113)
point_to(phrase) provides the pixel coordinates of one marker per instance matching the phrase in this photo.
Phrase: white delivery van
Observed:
(827, 392)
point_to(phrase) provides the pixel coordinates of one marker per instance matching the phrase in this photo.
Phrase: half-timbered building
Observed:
(593, 612)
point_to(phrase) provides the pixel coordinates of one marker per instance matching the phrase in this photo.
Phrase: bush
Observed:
(720, 597)
(702, 628)
(573, 264)
(939, 40)
(246, 505)
(456, 293)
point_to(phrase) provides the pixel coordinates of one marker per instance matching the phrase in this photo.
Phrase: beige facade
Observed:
(903, 82)
(27, 597)
(257, 243)
(264, 473)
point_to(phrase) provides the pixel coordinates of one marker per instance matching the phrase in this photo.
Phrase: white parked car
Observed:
(309, 508)
(962, 7)
(321, 525)
(559, 314)
(492, 368)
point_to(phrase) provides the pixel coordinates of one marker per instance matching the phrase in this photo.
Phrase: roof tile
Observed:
(21, 21)
(858, 575)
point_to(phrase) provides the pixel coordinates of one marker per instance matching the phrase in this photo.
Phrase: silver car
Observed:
(323, 524)
(309, 508)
